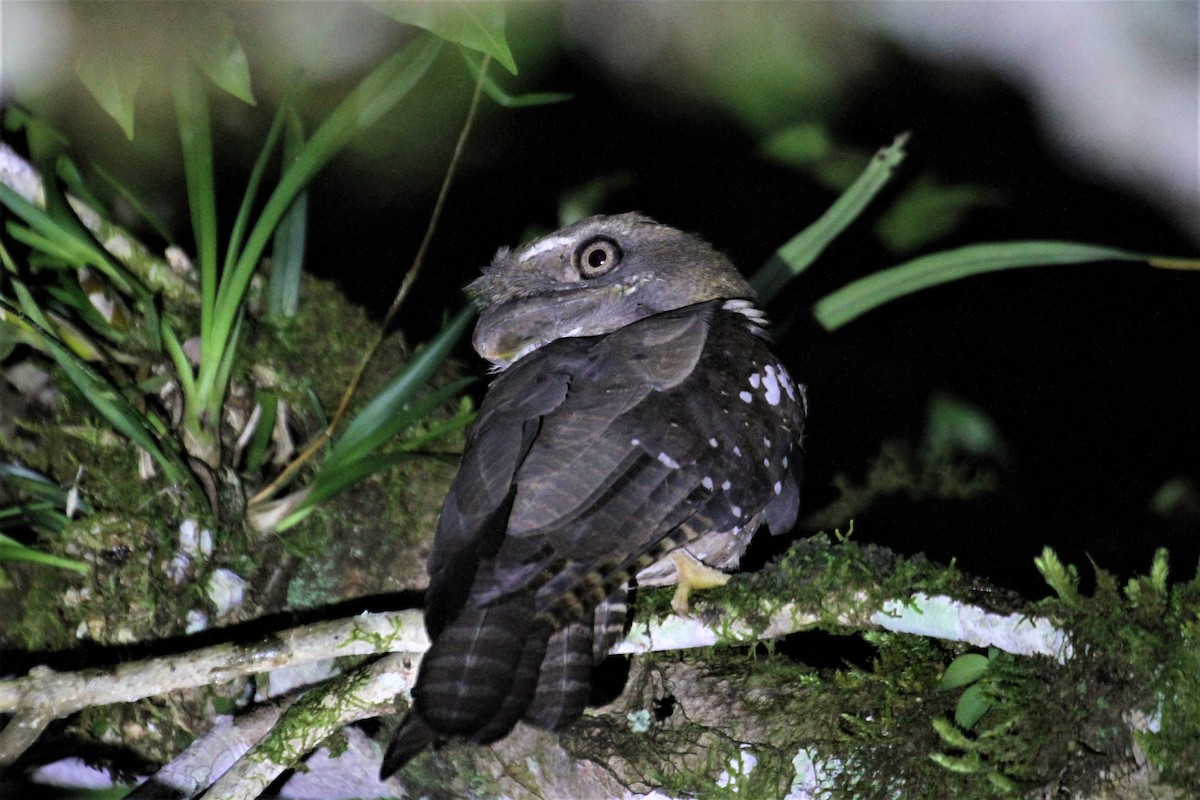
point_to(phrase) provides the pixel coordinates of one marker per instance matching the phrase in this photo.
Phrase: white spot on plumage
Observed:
(635, 442)
(755, 379)
(785, 462)
(712, 442)
(725, 486)
(770, 385)
(767, 463)
(785, 381)
(667, 461)
(549, 243)
(707, 483)
(737, 511)
(766, 442)
(737, 451)
(778, 487)
(746, 396)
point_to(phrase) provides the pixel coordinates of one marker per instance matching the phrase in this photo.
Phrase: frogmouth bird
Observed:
(640, 430)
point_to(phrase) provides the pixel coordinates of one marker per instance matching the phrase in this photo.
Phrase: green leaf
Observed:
(268, 401)
(971, 706)
(965, 669)
(927, 211)
(385, 86)
(238, 232)
(75, 247)
(107, 401)
(39, 516)
(337, 480)
(44, 141)
(503, 98)
(33, 483)
(955, 426)
(799, 252)
(113, 83)
(476, 25)
(865, 294)
(12, 550)
(195, 138)
(69, 172)
(800, 146)
(112, 79)
(287, 249)
(219, 55)
(390, 412)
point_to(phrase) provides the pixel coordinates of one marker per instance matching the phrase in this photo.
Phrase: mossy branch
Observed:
(749, 610)
(45, 695)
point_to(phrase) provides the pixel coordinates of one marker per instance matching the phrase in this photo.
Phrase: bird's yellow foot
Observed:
(692, 574)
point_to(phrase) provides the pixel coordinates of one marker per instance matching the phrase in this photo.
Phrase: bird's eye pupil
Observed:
(596, 257)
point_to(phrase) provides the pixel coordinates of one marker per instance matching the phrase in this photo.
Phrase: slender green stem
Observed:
(256, 174)
(195, 137)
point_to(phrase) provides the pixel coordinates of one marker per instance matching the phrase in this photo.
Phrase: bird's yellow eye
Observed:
(597, 256)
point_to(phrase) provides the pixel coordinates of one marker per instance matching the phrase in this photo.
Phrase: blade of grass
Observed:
(287, 248)
(195, 138)
(800, 251)
(70, 295)
(503, 98)
(224, 368)
(33, 483)
(857, 298)
(385, 86)
(60, 209)
(66, 257)
(38, 517)
(370, 464)
(387, 415)
(405, 285)
(73, 178)
(459, 421)
(346, 475)
(183, 368)
(268, 401)
(78, 251)
(256, 173)
(107, 401)
(12, 550)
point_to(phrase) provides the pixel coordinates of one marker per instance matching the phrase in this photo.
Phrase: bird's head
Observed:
(591, 278)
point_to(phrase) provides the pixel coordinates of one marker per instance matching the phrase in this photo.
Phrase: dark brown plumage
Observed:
(639, 411)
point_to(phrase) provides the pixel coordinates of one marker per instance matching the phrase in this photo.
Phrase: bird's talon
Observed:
(692, 574)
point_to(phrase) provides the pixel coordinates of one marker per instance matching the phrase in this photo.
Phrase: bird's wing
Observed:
(474, 516)
(654, 442)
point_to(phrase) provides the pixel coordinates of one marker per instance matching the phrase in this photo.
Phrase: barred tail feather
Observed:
(565, 680)
(410, 739)
(469, 670)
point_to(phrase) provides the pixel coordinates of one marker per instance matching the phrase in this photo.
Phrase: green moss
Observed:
(887, 728)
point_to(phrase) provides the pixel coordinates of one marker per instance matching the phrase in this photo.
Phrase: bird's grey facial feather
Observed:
(535, 294)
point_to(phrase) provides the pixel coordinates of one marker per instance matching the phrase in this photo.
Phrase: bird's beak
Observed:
(508, 331)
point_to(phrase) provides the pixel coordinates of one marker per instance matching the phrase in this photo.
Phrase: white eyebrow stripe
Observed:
(550, 243)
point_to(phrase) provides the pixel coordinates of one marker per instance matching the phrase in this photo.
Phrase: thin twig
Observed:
(405, 286)
(45, 695)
